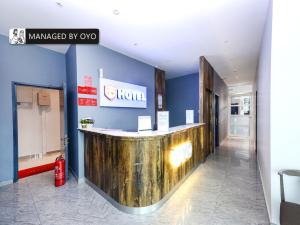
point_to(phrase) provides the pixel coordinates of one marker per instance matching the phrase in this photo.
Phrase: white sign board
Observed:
(159, 101)
(189, 116)
(120, 94)
(144, 123)
(163, 121)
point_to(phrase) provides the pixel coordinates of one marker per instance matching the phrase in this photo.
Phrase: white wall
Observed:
(221, 89)
(285, 99)
(278, 79)
(263, 110)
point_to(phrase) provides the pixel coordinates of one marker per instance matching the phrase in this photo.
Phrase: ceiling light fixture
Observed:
(59, 3)
(116, 12)
(135, 44)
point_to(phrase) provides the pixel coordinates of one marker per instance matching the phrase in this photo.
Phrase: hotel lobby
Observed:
(148, 113)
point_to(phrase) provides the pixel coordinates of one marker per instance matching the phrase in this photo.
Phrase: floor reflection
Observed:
(225, 190)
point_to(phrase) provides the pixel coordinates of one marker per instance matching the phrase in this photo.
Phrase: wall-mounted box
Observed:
(24, 94)
(43, 98)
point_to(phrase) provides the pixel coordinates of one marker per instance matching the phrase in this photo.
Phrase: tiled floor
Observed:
(225, 190)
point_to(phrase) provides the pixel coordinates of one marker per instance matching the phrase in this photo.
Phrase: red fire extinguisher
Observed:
(59, 170)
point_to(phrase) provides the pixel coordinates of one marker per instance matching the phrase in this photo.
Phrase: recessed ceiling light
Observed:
(135, 44)
(59, 3)
(116, 12)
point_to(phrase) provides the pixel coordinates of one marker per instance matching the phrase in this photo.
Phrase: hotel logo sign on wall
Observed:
(120, 94)
(110, 92)
(20, 36)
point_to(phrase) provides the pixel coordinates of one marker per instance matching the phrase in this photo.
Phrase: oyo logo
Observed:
(111, 93)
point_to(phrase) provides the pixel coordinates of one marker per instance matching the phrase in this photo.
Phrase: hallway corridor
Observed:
(225, 190)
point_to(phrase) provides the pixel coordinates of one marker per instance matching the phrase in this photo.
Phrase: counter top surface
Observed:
(121, 133)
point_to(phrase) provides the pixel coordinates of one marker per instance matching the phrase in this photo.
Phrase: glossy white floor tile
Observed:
(225, 190)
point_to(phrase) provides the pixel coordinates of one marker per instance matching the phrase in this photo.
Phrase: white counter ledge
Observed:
(121, 133)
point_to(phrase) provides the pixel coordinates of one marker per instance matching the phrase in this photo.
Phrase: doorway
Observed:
(208, 119)
(256, 122)
(39, 128)
(217, 121)
(240, 116)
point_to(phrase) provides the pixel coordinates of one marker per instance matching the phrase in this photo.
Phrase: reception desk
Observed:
(138, 172)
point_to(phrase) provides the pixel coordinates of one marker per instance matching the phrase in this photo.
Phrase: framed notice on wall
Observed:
(120, 94)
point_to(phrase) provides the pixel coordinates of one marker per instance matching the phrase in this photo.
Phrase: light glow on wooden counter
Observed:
(181, 153)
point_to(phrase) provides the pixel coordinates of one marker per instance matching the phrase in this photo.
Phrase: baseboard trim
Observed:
(268, 207)
(6, 182)
(79, 180)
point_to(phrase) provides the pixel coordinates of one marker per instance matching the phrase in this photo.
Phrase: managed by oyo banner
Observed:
(120, 94)
(21, 36)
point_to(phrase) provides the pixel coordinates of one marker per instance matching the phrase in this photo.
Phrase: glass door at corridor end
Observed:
(240, 116)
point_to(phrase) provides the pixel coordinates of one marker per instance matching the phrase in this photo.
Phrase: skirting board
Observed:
(7, 182)
(262, 184)
(79, 180)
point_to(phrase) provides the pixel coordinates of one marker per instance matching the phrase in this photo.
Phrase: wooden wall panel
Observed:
(137, 172)
(206, 103)
(160, 89)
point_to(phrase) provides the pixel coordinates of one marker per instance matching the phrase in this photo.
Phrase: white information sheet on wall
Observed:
(159, 101)
(163, 120)
(144, 123)
(189, 116)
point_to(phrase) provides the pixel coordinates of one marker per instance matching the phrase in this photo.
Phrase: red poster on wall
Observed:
(87, 101)
(87, 90)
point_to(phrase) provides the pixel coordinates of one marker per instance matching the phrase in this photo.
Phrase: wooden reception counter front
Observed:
(138, 172)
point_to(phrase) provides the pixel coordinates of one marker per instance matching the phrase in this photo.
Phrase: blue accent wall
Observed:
(89, 58)
(71, 68)
(116, 67)
(182, 93)
(27, 64)
(38, 66)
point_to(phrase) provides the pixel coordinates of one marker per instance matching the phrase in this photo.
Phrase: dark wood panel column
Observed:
(160, 90)
(206, 103)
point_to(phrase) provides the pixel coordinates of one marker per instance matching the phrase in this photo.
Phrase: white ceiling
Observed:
(168, 34)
